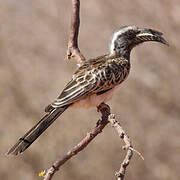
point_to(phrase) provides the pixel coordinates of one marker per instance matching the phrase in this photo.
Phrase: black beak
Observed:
(151, 35)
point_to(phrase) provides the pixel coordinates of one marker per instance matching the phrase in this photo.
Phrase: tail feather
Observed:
(25, 141)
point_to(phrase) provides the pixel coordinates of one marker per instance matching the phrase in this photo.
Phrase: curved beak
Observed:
(151, 35)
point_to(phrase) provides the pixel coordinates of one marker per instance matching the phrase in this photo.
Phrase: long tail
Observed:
(25, 141)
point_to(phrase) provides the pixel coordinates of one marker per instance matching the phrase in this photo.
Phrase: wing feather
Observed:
(95, 75)
(75, 90)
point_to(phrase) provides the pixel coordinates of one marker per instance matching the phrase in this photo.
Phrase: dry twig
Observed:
(73, 49)
(128, 146)
(105, 111)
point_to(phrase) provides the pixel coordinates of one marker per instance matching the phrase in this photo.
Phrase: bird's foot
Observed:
(105, 111)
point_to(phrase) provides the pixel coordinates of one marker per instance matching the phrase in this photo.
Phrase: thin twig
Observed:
(73, 49)
(128, 146)
(105, 111)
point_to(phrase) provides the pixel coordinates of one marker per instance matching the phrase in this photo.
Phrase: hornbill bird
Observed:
(94, 82)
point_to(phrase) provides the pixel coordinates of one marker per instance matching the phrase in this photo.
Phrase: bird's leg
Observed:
(105, 111)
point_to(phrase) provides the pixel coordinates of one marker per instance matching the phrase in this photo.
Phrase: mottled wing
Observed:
(75, 90)
(85, 81)
(94, 76)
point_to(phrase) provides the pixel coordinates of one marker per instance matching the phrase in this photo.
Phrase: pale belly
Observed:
(95, 100)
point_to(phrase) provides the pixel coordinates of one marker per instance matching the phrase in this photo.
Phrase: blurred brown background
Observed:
(33, 71)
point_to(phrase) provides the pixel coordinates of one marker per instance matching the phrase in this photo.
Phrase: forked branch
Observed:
(74, 52)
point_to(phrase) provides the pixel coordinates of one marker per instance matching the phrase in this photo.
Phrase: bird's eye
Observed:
(131, 34)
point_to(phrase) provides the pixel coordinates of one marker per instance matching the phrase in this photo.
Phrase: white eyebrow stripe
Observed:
(116, 34)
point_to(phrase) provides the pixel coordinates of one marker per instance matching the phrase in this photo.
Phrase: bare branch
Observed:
(128, 146)
(74, 52)
(73, 49)
(105, 111)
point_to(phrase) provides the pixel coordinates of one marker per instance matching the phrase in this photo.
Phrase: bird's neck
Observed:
(124, 53)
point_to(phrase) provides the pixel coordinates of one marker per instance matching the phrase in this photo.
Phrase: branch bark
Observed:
(73, 49)
(128, 146)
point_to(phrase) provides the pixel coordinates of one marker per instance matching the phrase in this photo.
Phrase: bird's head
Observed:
(127, 37)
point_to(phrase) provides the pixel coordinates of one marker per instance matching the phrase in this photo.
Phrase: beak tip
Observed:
(166, 43)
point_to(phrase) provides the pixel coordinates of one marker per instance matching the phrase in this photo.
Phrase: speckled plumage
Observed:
(95, 77)
(94, 82)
